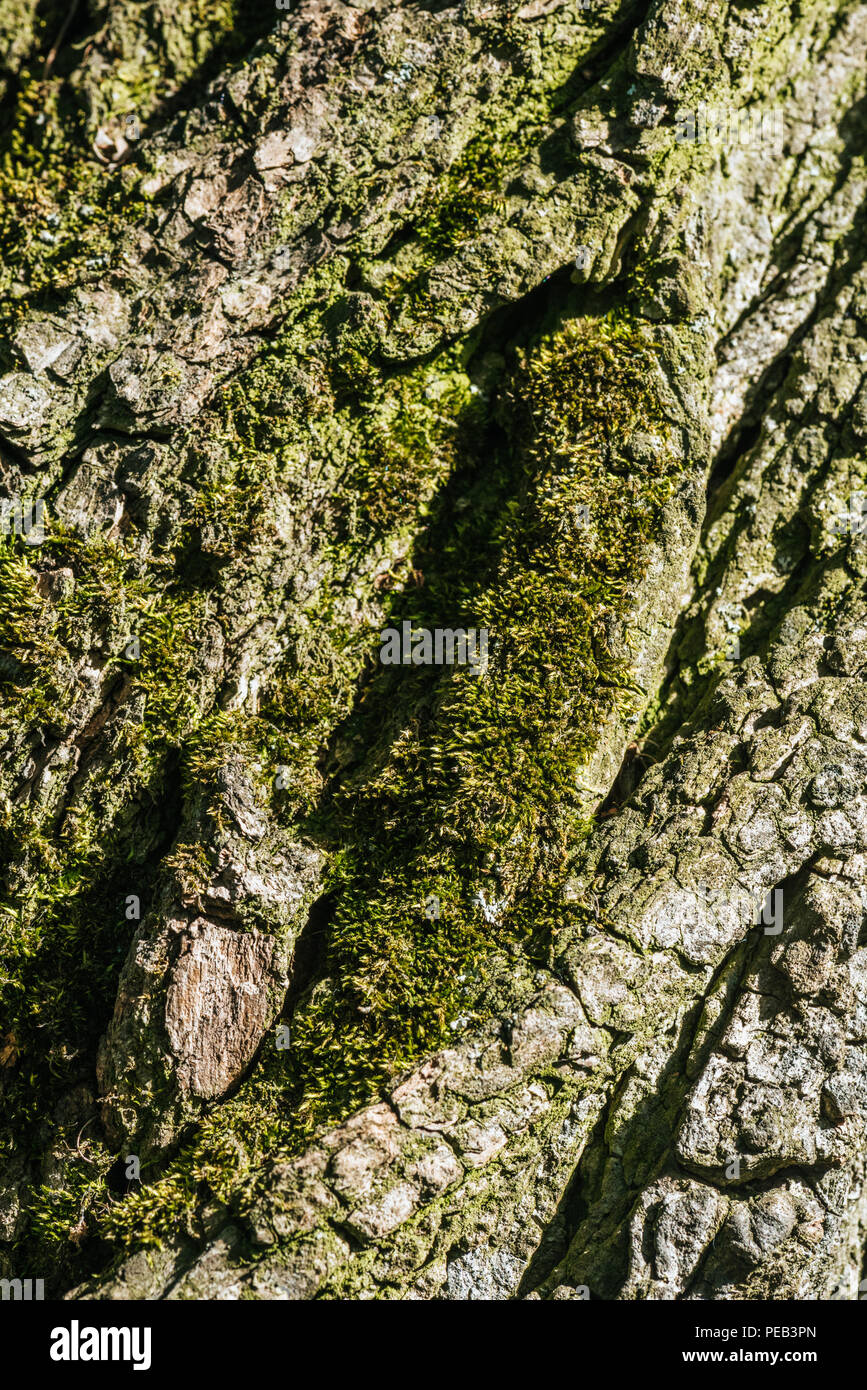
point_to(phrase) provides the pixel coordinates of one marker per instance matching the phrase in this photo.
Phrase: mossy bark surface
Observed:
(544, 321)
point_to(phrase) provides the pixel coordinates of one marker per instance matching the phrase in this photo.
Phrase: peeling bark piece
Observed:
(218, 1006)
(197, 995)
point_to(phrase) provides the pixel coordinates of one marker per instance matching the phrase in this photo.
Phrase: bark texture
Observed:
(550, 320)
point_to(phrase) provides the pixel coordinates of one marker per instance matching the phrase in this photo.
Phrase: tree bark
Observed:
(325, 978)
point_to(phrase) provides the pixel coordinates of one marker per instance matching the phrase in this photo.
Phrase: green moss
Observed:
(452, 210)
(436, 783)
(63, 943)
(420, 781)
(63, 214)
(30, 650)
(478, 786)
(63, 929)
(59, 1215)
(455, 784)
